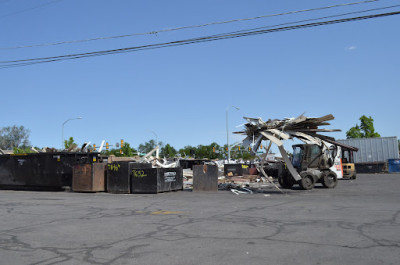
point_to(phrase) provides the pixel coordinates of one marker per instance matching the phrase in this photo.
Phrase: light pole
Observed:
(227, 131)
(62, 130)
(156, 138)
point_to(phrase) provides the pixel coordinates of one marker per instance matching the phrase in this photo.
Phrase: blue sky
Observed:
(181, 93)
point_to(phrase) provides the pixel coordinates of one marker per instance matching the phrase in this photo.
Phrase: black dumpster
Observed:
(41, 171)
(189, 163)
(119, 175)
(373, 167)
(155, 180)
(205, 178)
(233, 170)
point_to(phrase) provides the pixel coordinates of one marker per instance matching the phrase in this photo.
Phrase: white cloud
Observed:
(351, 48)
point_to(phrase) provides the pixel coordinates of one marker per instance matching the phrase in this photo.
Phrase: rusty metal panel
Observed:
(205, 178)
(89, 177)
(82, 177)
(98, 176)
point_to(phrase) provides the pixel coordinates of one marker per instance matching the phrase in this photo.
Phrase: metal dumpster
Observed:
(373, 167)
(205, 178)
(41, 171)
(189, 163)
(119, 175)
(155, 180)
(233, 169)
(394, 165)
(89, 177)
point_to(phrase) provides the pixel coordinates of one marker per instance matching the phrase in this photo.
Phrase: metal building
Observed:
(373, 150)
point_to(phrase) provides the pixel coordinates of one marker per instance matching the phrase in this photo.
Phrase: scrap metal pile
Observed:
(155, 161)
(289, 127)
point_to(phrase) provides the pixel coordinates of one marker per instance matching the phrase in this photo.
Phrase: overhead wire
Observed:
(154, 32)
(24, 62)
(325, 17)
(29, 9)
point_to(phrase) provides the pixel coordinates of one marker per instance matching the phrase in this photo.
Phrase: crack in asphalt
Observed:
(286, 219)
(12, 239)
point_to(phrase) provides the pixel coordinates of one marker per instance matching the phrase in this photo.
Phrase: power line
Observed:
(319, 18)
(24, 62)
(187, 27)
(29, 9)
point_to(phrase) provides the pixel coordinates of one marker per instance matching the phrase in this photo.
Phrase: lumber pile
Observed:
(301, 124)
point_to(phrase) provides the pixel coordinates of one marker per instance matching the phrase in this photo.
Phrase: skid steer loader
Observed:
(314, 164)
(317, 160)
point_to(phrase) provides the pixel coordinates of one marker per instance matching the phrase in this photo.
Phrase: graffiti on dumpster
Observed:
(138, 173)
(170, 176)
(114, 167)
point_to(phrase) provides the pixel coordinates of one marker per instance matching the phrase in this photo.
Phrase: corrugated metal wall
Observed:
(374, 149)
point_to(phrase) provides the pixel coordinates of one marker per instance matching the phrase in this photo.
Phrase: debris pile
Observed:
(305, 129)
(155, 161)
(288, 128)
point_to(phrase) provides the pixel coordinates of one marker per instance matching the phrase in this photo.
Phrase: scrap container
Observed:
(189, 163)
(41, 171)
(373, 167)
(119, 175)
(89, 177)
(205, 178)
(155, 180)
(234, 169)
(394, 165)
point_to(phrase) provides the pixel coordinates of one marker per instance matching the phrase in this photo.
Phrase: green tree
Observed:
(70, 143)
(148, 146)
(215, 150)
(23, 150)
(127, 151)
(211, 151)
(242, 153)
(168, 151)
(203, 151)
(354, 132)
(187, 150)
(364, 130)
(14, 137)
(247, 156)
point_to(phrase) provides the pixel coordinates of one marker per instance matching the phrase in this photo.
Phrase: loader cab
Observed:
(306, 156)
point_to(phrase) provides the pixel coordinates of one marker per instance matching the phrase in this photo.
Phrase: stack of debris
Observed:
(158, 162)
(187, 178)
(301, 127)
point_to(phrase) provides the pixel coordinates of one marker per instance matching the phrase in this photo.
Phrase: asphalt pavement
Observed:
(358, 222)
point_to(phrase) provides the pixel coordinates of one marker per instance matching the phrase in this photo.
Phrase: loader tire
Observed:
(329, 180)
(307, 182)
(285, 183)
